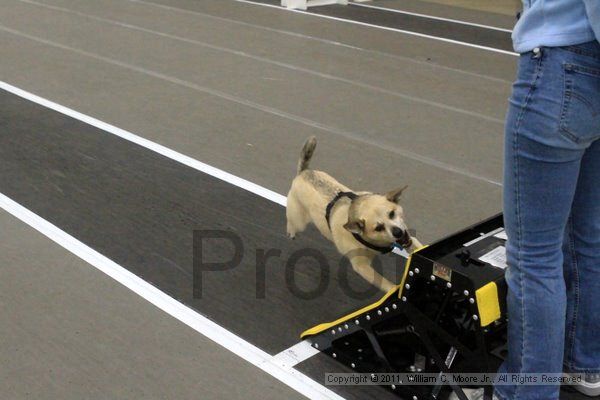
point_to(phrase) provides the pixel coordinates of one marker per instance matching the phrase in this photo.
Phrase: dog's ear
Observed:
(356, 226)
(394, 195)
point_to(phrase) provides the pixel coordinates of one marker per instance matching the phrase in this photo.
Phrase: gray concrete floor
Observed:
(239, 87)
(438, 130)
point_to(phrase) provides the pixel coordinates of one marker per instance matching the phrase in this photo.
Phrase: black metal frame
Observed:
(431, 315)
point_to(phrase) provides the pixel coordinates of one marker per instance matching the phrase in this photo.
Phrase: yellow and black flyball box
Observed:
(447, 315)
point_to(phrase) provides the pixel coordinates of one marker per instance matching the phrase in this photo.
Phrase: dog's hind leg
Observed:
(297, 217)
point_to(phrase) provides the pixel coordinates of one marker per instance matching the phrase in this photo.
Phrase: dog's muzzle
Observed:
(403, 237)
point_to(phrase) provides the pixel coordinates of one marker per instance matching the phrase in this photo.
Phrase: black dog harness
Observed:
(358, 238)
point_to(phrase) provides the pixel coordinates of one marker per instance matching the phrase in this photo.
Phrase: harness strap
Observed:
(352, 196)
(337, 197)
(382, 250)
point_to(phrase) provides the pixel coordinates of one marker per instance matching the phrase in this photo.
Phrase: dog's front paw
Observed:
(291, 236)
(415, 245)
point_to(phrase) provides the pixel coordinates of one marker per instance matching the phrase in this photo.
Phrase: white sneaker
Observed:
(472, 394)
(590, 385)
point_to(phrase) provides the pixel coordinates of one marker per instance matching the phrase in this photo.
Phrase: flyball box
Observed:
(447, 315)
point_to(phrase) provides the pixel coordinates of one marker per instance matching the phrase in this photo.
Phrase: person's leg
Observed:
(582, 269)
(582, 236)
(541, 170)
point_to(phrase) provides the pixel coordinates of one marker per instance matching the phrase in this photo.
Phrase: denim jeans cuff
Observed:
(575, 370)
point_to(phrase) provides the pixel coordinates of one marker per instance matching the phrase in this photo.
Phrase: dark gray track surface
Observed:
(477, 16)
(140, 210)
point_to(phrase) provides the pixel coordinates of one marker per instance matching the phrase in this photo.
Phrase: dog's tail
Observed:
(307, 152)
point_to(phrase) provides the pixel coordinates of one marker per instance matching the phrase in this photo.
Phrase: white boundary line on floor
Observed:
(454, 21)
(157, 148)
(386, 28)
(277, 367)
(296, 354)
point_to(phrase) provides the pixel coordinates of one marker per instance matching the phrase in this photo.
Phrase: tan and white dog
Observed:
(360, 224)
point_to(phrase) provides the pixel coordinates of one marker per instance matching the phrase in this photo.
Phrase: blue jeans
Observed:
(552, 217)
